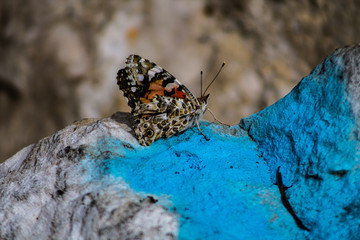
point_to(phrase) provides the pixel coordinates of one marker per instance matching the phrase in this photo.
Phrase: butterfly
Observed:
(162, 106)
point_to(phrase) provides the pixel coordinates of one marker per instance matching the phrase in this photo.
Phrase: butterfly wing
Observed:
(175, 119)
(142, 80)
(161, 104)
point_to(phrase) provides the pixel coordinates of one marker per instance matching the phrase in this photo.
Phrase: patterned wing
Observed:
(142, 80)
(176, 119)
(161, 104)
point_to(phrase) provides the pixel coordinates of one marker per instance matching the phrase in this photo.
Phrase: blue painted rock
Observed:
(290, 171)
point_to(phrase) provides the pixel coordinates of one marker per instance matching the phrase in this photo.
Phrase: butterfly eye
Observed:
(150, 133)
(147, 118)
(146, 125)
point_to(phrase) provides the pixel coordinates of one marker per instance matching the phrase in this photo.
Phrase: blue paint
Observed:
(312, 134)
(224, 188)
(220, 188)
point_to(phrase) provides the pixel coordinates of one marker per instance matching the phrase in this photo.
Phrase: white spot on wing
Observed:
(141, 78)
(156, 69)
(151, 73)
(177, 81)
(133, 89)
(170, 86)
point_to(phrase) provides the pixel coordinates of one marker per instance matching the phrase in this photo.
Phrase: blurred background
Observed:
(59, 59)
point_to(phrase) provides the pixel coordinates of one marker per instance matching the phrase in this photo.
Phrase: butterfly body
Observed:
(161, 105)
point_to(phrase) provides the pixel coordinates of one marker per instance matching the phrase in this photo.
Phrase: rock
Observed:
(313, 135)
(287, 172)
(60, 59)
(47, 191)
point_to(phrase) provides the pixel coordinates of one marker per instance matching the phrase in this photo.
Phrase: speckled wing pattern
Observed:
(161, 105)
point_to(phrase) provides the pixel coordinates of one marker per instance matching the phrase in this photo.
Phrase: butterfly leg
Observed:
(197, 124)
(212, 114)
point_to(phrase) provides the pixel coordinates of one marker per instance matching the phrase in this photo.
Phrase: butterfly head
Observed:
(203, 100)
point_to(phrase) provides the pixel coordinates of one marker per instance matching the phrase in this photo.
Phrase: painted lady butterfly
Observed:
(161, 105)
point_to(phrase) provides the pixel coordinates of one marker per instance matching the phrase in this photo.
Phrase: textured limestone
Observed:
(93, 180)
(44, 192)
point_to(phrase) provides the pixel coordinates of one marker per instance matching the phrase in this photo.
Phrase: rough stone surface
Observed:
(46, 193)
(60, 58)
(313, 135)
(92, 180)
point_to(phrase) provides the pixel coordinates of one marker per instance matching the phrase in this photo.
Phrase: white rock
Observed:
(44, 192)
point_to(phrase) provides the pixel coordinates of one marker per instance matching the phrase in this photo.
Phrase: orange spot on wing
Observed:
(157, 85)
(144, 100)
(150, 95)
(154, 93)
(179, 94)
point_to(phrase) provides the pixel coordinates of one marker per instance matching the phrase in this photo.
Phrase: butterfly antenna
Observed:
(223, 64)
(201, 74)
(213, 115)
